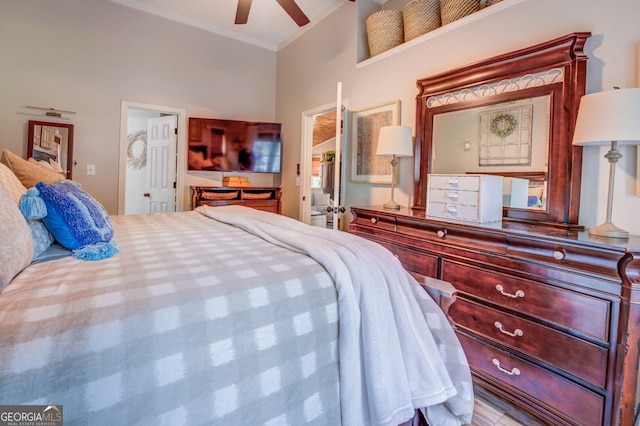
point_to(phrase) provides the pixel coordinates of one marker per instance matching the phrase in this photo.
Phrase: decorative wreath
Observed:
(503, 125)
(137, 160)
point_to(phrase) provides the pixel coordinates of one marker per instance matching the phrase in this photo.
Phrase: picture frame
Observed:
(366, 167)
(51, 141)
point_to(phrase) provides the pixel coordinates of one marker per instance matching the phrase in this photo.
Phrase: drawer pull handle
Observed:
(374, 220)
(452, 209)
(441, 233)
(516, 333)
(453, 181)
(519, 293)
(514, 372)
(558, 255)
(452, 195)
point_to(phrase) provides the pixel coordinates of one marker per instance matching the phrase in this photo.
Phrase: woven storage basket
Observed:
(452, 10)
(219, 195)
(420, 17)
(385, 30)
(487, 3)
(256, 195)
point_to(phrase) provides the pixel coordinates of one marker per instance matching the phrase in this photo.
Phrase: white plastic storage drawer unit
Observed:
(473, 197)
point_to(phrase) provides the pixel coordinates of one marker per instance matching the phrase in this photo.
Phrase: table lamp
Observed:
(394, 142)
(609, 117)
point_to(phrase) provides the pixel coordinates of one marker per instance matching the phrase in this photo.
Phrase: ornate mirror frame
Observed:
(556, 68)
(47, 140)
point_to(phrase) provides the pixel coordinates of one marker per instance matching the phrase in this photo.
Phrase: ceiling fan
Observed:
(290, 6)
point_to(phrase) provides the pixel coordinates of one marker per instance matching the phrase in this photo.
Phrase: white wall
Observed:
(309, 68)
(90, 55)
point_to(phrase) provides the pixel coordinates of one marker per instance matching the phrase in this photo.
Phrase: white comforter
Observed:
(397, 350)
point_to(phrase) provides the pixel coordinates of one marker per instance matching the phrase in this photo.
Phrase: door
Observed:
(132, 174)
(161, 164)
(320, 174)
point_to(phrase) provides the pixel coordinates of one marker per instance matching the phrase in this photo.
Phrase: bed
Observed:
(228, 315)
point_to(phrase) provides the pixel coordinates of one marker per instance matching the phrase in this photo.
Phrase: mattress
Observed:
(199, 320)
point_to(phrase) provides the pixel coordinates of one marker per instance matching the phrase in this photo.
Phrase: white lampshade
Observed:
(395, 140)
(612, 115)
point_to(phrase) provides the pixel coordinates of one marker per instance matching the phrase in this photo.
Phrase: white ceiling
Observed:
(268, 26)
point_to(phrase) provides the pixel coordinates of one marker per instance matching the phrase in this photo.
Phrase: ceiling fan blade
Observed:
(294, 11)
(242, 13)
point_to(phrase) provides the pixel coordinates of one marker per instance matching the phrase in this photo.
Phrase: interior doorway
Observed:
(321, 167)
(138, 165)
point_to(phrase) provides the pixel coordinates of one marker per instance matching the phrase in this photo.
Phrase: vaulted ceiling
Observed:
(268, 25)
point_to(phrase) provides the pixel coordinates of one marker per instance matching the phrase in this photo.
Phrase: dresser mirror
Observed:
(510, 139)
(51, 144)
(511, 115)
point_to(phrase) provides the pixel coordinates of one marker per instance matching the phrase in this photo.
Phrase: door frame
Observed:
(180, 149)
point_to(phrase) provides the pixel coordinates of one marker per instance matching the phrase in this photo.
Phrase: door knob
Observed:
(146, 194)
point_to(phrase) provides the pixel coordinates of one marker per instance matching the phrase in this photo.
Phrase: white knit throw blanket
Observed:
(397, 350)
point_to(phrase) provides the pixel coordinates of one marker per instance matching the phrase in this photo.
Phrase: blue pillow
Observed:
(77, 221)
(533, 201)
(42, 238)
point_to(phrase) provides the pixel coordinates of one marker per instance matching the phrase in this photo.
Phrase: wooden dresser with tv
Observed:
(262, 198)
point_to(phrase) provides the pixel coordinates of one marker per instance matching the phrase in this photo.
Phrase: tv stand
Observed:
(262, 198)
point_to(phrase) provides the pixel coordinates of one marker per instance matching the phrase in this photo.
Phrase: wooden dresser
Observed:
(262, 198)
(549, 321)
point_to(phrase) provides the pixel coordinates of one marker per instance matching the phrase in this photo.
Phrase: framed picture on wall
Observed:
(366, 166)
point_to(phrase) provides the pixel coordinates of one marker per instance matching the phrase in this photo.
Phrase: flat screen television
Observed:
(234, 145)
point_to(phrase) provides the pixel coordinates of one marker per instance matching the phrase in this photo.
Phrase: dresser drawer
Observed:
(572, 400)
(415, 262)
(570, 256)
(454, 211)
(578, 357)
(450, 196)
(457, 182)
(567, 308)
(427, 235)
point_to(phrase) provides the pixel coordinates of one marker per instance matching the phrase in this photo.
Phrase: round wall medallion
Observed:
(503, 125)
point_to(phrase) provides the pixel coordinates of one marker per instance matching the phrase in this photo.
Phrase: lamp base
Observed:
(391, 205)
(608, 229)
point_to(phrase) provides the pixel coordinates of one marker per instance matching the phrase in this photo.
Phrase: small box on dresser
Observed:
(471, 197)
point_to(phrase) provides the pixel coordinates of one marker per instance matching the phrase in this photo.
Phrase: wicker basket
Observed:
(219, 195)
(487, 3)
(452, 10)
(256, 195)
(420, 17)
(385, 30)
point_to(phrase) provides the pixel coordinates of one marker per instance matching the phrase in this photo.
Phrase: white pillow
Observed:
(12, 183)
(40, 163)
(55, 166)
(16, 244)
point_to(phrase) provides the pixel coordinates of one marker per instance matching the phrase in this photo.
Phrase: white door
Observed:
(327, 115)
(161, 164)
(338, 195)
